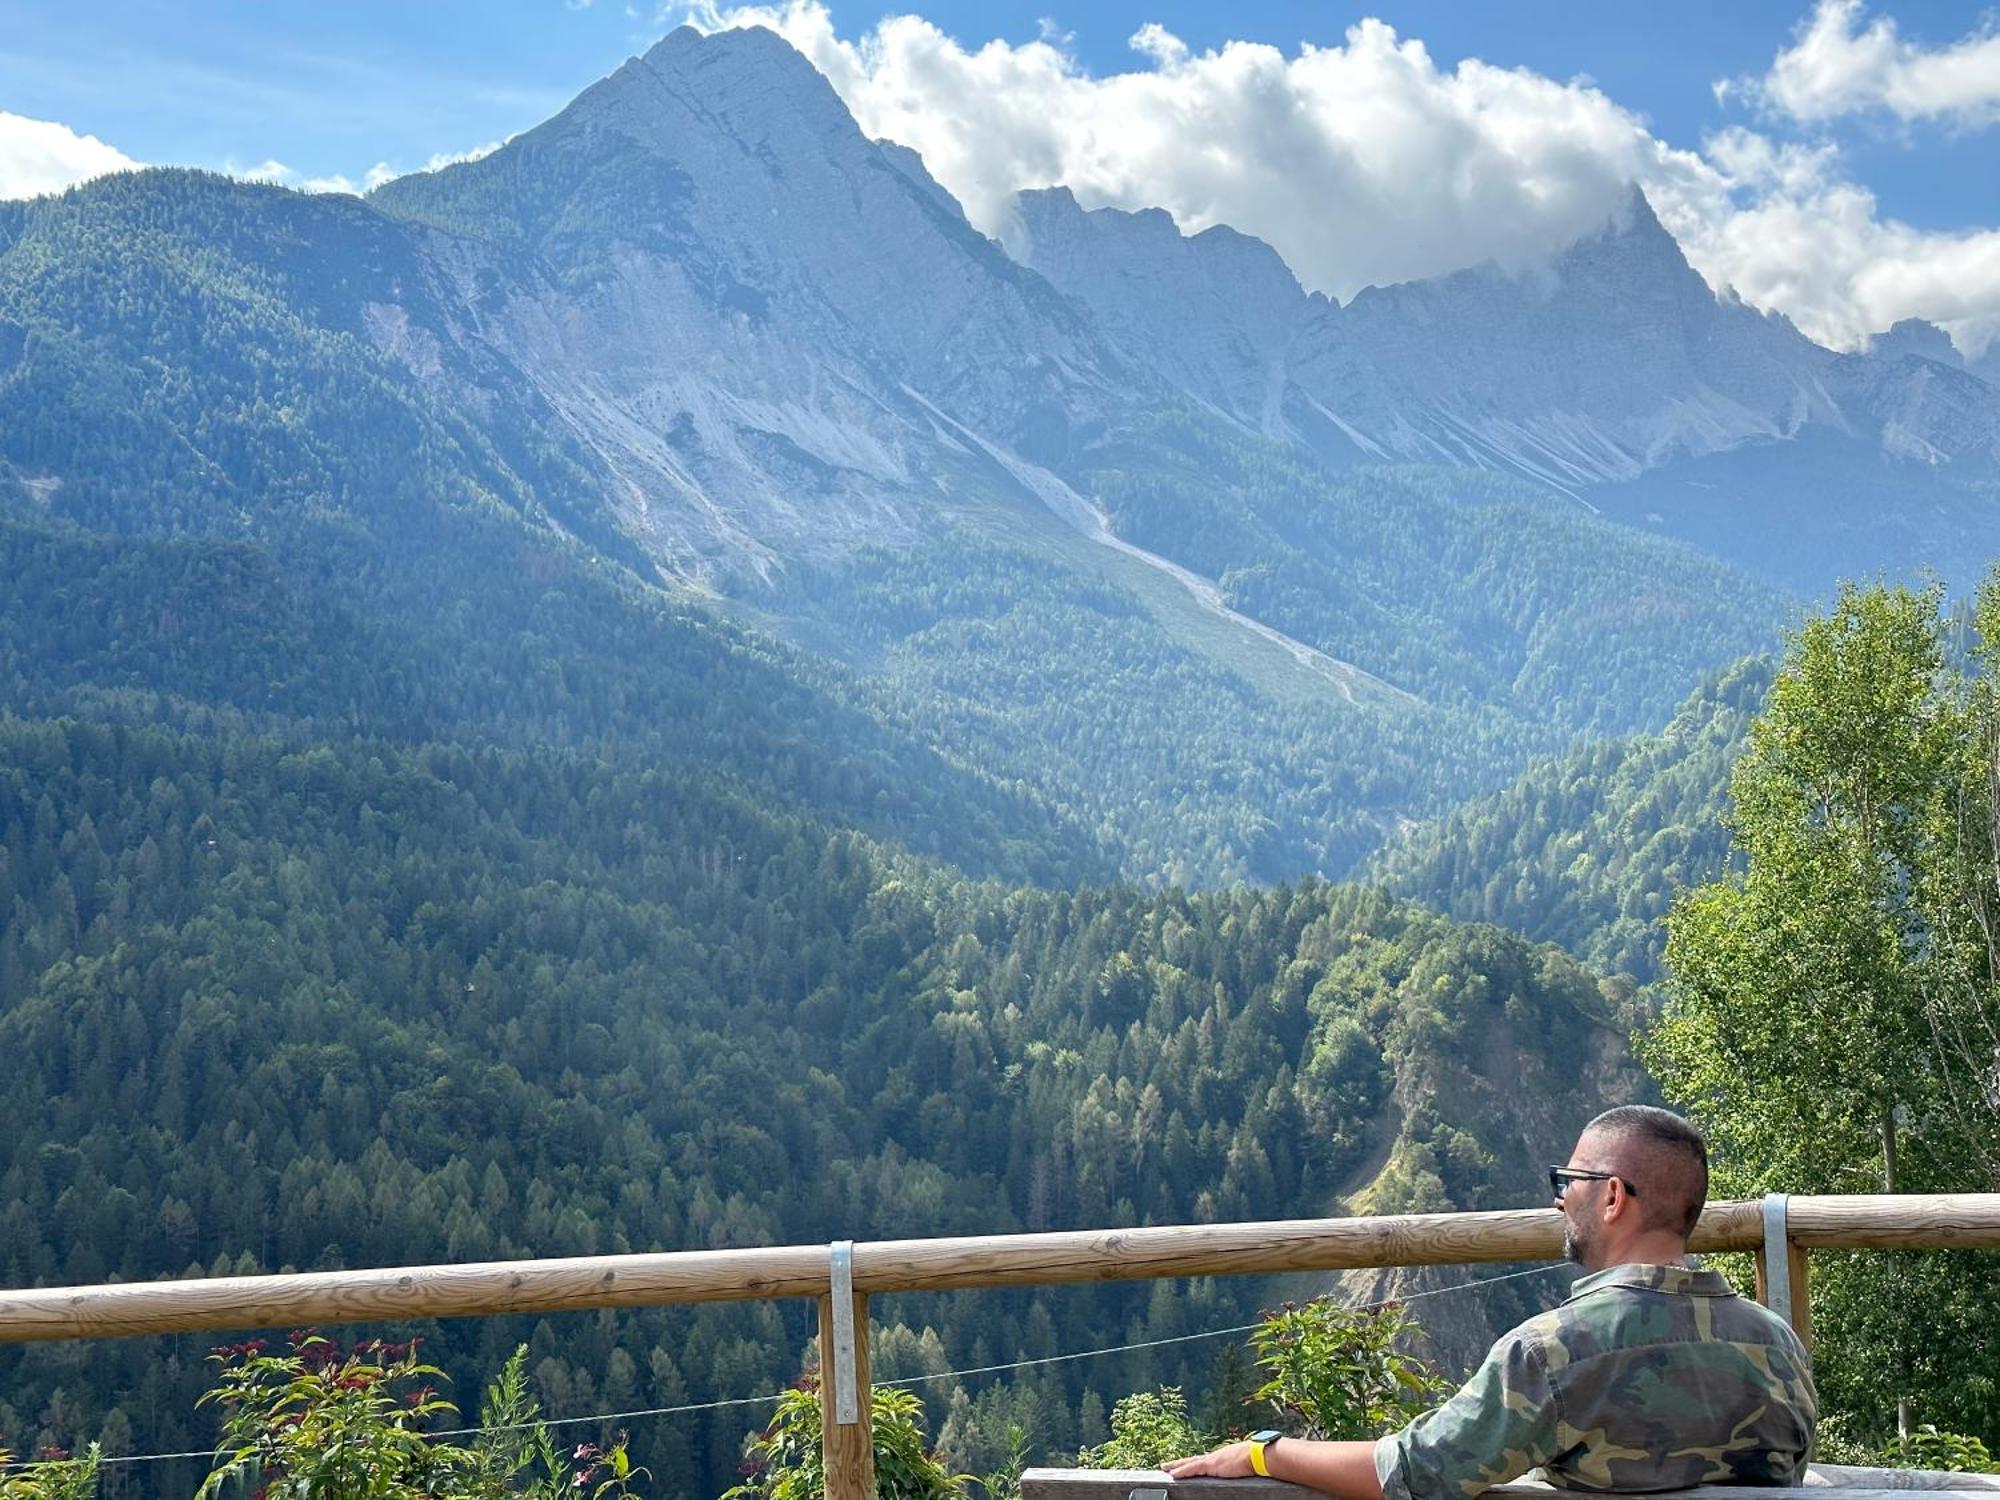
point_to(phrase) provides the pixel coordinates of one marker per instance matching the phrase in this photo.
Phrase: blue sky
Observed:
(326, 92)
(334, 88)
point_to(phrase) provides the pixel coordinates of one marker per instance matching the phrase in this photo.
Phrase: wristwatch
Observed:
(1259, 1441)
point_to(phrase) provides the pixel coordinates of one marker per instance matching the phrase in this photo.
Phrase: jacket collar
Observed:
(1684, 1281)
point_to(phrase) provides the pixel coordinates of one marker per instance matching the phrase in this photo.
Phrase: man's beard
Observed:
(1573, 1246)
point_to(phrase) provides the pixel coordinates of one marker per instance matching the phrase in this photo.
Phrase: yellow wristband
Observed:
(1257, 1460)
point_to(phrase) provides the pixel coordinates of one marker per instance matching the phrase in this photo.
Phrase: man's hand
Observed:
(1232, 1461)
(1345, 1470)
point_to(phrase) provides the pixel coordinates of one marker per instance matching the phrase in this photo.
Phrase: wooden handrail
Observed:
(1898, 1222)
(1903, 1221)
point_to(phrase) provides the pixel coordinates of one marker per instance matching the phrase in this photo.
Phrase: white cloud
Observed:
(1838, 66)
(1367, 162)
(270, 170)
(40, 156)
(277, 173)
(451, 158)
(1783, 226)
(1363, 162)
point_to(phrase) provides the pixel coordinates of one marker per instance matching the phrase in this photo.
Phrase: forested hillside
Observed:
(350, 1003)
(1471, 590)
(1588, 849)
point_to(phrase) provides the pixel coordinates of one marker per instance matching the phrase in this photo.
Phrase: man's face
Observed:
(1582, 1229)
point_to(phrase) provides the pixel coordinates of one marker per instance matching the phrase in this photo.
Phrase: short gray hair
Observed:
(1677, 1162)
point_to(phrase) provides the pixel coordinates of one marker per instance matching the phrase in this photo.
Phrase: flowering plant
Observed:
(316, 1421)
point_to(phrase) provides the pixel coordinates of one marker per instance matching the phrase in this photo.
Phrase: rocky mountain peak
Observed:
(1913, 336)
(1057, 236)
(751, 81)
(1214, 311)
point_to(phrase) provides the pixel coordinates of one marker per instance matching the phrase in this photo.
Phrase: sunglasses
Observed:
(1561, 1177)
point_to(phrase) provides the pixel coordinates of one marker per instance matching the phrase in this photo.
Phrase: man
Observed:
(1650, 1376)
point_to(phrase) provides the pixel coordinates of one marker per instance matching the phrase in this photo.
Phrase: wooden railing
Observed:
(849, 1273)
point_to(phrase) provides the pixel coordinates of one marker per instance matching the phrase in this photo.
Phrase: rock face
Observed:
(1610, 361)
(777, 336)
(1216, 313)
(1915, 336)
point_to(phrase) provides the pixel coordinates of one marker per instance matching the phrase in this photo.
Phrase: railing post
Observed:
(1795, 1254)
(846, 1421)
(1784, 1280)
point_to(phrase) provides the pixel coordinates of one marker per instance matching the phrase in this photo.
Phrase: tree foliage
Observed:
(1147, 1429)
(787, 1460)
(1833, 1013)
(1334, 1371)
(1831, 1005)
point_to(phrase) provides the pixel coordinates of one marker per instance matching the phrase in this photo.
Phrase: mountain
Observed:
(1612, 374)
(777, 337)
(1215, 313)
(1915, 336)
(702, 341)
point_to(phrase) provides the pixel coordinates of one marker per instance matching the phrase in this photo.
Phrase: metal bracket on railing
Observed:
(1777, 1256)
(840, 1361)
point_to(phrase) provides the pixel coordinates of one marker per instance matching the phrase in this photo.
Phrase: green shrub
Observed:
(54, 1476)
(1928, 1448)
(315, 1421)
(1334, 1371)
(787, 1460)
(1147, 1429)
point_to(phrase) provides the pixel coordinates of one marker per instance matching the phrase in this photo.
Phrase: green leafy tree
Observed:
(1805, 994)
(1344, 1372)
(1832, 1012)
(1147, 1429)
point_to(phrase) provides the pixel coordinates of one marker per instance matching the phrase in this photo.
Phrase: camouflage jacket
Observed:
(1645, 1378)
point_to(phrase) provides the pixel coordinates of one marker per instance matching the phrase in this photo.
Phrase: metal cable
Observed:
(1018, 1364)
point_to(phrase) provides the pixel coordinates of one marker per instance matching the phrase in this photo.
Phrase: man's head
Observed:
(1640, 1177)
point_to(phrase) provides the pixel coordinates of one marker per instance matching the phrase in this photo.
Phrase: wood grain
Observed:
(849, 1448)
(1517, 1235)
(1801, 1277)
(1896, 1221)
(328, 1297)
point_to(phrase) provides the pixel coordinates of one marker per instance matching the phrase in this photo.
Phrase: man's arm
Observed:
(1345, 1470)
(1499, 1425)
